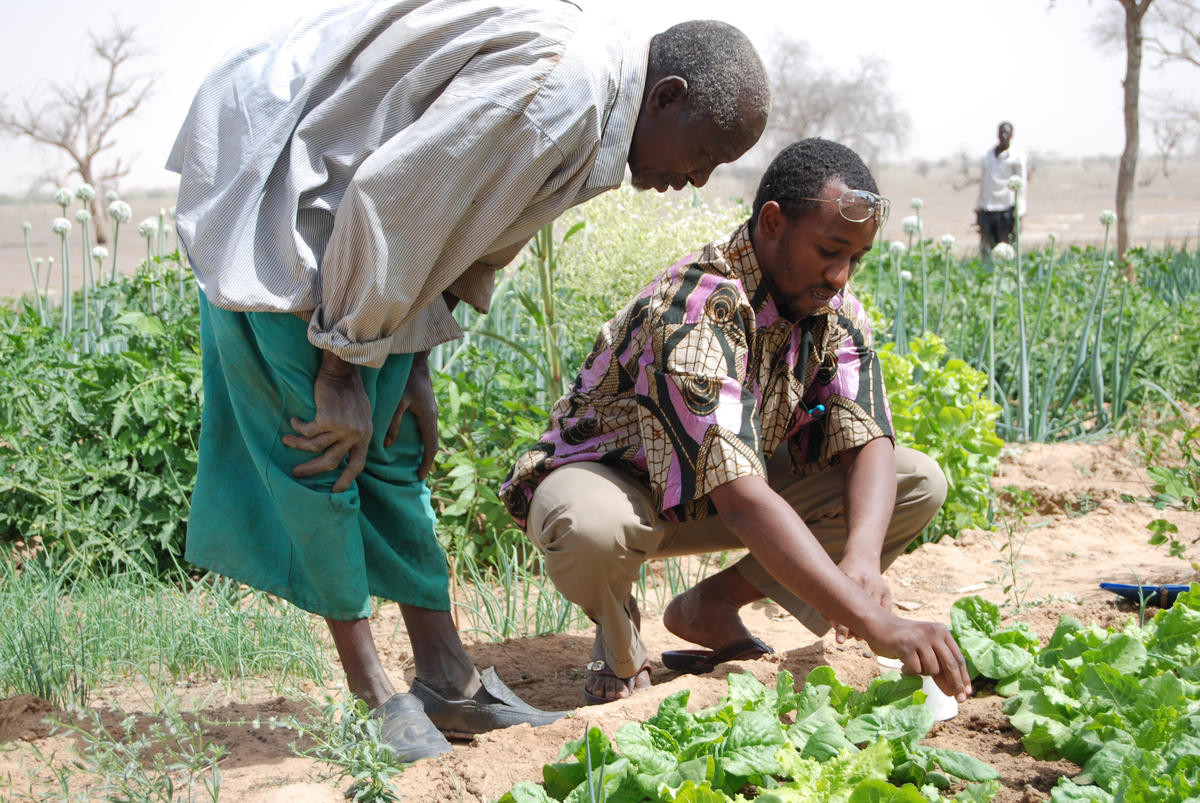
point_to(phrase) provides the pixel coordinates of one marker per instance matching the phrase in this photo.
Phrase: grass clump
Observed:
(60, 641)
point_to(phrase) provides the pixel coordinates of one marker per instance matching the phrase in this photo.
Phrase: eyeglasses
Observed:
(859, 205)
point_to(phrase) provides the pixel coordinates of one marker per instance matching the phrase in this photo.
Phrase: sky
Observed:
(957, 67)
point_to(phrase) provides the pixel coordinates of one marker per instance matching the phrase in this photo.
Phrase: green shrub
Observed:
(98, 448)
(485, 422)
(937, 409)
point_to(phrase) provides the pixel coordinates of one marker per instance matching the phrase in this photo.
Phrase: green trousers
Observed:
(294, 537)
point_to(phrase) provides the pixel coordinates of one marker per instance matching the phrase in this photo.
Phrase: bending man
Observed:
(736, 402)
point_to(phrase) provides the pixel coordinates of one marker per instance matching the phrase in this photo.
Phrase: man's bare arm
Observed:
(776, 535)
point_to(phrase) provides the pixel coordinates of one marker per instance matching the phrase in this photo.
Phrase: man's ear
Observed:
(666, 92)
(770, 220)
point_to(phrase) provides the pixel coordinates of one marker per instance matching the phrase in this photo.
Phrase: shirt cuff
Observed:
(430, 326)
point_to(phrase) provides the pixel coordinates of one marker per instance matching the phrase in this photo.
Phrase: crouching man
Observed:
(736, 402)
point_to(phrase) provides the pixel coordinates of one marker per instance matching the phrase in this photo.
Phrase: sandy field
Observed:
(1065, 197)
(1081, 534)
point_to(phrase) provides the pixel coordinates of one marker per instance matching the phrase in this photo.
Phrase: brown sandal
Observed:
(602, 669)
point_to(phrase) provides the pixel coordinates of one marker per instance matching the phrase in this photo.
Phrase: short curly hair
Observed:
(802, 169)
(726, 79)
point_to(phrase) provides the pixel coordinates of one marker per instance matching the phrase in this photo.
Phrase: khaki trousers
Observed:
(596, 526)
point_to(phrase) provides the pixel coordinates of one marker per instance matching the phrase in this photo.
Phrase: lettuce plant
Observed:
(1122, 704)
(826, 742)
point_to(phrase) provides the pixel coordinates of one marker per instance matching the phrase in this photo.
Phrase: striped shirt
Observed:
(700, 379)
(371, 157)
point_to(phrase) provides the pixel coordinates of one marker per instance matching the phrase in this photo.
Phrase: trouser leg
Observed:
(596, 527)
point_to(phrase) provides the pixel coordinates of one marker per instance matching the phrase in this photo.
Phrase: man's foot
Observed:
(493, 706)
(602, 685)
(707, 613)
(406, 729)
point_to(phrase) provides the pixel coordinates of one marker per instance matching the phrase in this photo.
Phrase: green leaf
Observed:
(1067, 792)
(637, 743)
(142, 323)
(839, 693)
(890, 687)
(826, 742)
(874, 790)
(526, 792)
(909, 725)
(961, 765)
(751, 745)
(979, 792)
(746, 692)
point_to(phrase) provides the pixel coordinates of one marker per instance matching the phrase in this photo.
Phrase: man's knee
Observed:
(578, 510)
(921, 483)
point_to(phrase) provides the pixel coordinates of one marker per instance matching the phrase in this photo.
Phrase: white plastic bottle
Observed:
(937, 701)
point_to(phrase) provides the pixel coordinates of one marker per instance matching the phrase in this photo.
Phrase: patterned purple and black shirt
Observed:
(700, 379)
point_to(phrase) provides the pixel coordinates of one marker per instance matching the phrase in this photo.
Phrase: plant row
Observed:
(826, 742)
(1122, 704)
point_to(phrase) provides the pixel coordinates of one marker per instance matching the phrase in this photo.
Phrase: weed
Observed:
(347, 738)
(162, 758)
(59, 641)
(1016, 587)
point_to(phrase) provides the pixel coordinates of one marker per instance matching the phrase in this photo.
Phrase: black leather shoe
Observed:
(499, 708)
(406, 729)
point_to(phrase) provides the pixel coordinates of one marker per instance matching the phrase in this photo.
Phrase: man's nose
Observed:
(700, 177)
(838, 274)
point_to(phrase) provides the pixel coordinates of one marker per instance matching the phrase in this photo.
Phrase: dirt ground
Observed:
(1081, 533)
(1065, 197)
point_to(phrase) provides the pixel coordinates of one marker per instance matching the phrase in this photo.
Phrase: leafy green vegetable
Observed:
(1123, 705)
(841, 745)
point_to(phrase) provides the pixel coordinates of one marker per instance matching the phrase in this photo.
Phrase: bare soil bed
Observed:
(1085, 534)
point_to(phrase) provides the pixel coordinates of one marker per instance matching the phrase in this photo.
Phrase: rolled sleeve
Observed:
(432, 200)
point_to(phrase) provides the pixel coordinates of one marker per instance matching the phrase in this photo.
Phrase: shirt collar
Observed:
(608, 170)
(738, 252)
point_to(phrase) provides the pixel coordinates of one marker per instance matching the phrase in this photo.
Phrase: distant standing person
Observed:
(996, 209)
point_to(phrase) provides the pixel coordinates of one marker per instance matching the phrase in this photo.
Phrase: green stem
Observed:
(1023, 361)
(87, 281)
(66, 283)
(1049, 283)
(116, 234)
(37, 287)
(1097, 363)
(898, 333)
(924, 272)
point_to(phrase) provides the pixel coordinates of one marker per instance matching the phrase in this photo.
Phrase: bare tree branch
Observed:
(856, 108)
(79, 119)
(1173, 32)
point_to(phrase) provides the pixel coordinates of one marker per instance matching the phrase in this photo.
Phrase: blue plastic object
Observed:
(1162, 596)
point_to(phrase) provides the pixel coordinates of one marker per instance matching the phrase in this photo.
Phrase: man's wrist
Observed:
(335, 367)
(866, 558)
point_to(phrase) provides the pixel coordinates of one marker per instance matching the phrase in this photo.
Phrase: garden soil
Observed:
(1080, 532)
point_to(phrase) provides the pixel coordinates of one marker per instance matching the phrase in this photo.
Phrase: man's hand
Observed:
(418, 397)
(342, 428)
(924, 648)
(867, 577)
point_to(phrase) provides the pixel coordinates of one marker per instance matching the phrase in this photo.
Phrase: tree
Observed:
(1173, 31)
(79, 120)
(1172, 34)
(1135, 12)
(857, 109)
(1170, 30)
